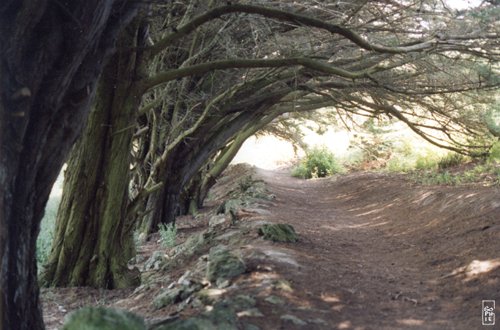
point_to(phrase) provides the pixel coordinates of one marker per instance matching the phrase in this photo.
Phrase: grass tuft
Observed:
(168, 234)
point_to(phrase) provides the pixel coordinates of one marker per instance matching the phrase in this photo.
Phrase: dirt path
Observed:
(377, 252)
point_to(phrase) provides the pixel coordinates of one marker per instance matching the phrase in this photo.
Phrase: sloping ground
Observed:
(387, 254)
(375, 252)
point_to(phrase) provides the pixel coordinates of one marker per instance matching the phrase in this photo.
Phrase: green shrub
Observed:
(400, 164)
(425, 163)
(168, 234)
(450, 160)
(318, 163)
(495, 152)
(444, 178)
(486, 174)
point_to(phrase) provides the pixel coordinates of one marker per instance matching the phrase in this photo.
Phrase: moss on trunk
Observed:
(94, 236)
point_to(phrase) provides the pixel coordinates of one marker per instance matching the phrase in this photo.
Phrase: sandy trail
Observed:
(378, 252)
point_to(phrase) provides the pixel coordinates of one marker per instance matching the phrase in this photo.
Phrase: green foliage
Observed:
(223, 264)
(425, 163)
(168, 234)
(451, 160)
(494, 155)
(318, 163)
(44, 240)
(246, 183)
(400, 164)
(486, 15)
(100, 318)
(406, 159)
(47, 227)
(486, 174)
(374, 141)
(441, 178)
(280, 232)
(492, 121)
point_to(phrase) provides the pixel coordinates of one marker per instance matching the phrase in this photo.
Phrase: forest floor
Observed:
(375, 251)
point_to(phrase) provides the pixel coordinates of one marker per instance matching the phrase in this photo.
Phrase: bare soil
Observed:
(376, 251)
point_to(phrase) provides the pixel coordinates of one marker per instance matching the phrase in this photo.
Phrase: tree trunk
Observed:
(94, 236)
(227, 155)
(49, 65)
(184, 163)
(162, 206)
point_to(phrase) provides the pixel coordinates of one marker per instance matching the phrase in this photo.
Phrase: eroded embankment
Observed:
(374, 252)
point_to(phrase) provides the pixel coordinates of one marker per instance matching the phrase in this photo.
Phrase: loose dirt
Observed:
(376, 251)
(379, 252)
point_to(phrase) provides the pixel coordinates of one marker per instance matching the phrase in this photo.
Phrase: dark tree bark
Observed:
(94, 236)
(50, 60)
(226, 156)
(187, 159)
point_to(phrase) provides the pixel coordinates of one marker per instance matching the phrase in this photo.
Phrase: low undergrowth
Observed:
(485, 173)
(168, 234)
(318, 163)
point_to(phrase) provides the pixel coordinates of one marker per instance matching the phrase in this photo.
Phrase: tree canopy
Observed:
(187, 83)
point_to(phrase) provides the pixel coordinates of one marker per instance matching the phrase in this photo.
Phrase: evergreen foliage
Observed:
(318, 163)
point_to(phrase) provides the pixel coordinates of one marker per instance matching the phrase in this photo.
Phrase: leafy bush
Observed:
(495, 152)
(400, 164)
(168, 234)
(426, 163)
(318, 163)
(450, 160)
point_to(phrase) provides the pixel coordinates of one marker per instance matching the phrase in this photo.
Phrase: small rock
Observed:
(258, 211)
(192, 245)
(219, 220)
(231, 234)
(184, 279)
(278, 233)
(156, 261)
(223, 264)
(195, 323)
(167, 297)
(223, 316)
(275, 300)
(283, 285)
(209, 296)
(252, 312)
(230, 207)
(319, 321)
(250, 326)
(188, 290)
(222, 283)
(242, 302)
(141, 288)
(100, 318)
(294, 319)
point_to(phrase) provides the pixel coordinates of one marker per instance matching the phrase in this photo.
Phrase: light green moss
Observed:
(278, 232)
(100, 318)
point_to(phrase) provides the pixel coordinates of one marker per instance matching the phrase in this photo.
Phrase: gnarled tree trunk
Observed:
(94, 235)
(49, 65)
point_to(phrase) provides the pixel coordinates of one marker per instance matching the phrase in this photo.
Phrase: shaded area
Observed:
(375, 251)
(387, 254)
